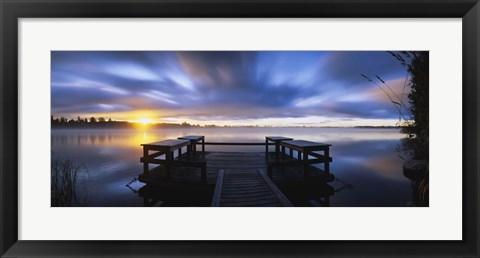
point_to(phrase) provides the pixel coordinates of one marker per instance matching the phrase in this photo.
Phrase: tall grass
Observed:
(68, 183)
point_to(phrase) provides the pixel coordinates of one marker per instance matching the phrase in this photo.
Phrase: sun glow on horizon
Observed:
(145, 121)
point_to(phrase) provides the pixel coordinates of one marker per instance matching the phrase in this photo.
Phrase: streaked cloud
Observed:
(237, 86)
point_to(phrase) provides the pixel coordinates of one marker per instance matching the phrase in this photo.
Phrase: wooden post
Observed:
(194, 148)
(305, 163)
(277, 150)
(179, 152)
(291, 152)
(299, 154)
(203, 147)
(168, 163)
(145, 160)
(283, 152)
(327, 161)
(266, 147)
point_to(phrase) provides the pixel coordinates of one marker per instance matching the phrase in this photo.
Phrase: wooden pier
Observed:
(247, 188)
(239, 178)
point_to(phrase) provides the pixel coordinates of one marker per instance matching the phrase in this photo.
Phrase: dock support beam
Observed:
(327, 161)
(145, 161)
(305, 165)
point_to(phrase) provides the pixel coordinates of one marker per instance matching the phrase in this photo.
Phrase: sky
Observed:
(265, 88)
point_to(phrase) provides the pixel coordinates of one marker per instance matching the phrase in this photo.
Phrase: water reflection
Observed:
(176, 195)
(307, 193)
(365, 158)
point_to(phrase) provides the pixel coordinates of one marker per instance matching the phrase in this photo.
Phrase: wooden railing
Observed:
(237, 143)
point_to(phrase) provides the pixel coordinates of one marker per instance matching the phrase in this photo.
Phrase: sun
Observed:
(145, 121)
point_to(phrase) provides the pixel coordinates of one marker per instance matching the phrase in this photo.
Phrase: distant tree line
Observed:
(102, 122)
(91, 122)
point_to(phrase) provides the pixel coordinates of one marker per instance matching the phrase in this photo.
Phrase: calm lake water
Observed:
(365, 158)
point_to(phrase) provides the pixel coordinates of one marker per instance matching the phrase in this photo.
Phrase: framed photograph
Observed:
(265, 128)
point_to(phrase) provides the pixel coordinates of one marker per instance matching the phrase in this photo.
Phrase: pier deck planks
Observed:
(247, 188)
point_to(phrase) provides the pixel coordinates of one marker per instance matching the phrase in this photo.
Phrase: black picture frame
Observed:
(11, 11)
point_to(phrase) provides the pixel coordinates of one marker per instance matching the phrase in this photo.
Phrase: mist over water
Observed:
(364, 157)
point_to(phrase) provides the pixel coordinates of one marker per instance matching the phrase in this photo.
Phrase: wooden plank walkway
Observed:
(247, 188)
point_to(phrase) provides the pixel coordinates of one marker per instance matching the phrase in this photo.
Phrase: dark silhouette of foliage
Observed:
(413, 118)
(418, 69)
(68, 184)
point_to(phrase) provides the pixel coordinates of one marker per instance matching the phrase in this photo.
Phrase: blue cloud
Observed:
(234, 84)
